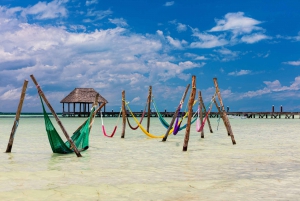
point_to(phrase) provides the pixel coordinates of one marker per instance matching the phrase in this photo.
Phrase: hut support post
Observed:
(204, 108)
(123, 115)
(149, 109)
(201, 113)
(176, 114)
(55, 116)
(16, 122)
(224, 115)
(190, 111)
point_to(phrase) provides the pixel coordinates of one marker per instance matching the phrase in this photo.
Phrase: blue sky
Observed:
(251, 47)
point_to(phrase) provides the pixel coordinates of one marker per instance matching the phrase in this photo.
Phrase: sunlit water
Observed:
(263, 165)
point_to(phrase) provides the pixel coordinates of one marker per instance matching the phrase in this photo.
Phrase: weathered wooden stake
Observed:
(94, 114)
(208, 121)
(190, 110)
(16, 122)
(201, 113)
(149, 109)
(176, 114)
(123, 115)
(220, 113)
(55, 116)
(224, 115)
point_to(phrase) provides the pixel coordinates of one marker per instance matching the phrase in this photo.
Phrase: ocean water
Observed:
(263, 165)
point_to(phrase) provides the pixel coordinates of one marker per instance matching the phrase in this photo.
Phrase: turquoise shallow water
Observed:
(263, 165)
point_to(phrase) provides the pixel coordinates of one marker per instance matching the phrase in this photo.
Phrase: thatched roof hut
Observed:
(83, 95)
(81, 98)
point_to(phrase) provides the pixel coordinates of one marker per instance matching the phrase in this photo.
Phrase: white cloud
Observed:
(239, 73)
(227, 55)
(95, 15)
(253, 38)
(236, 22)
(293, 63)
(181, 27)
(176, 43)
(208, 41)
(44, 10)
(88, 3)
(169, 3)
(136, 99)
(119, 22)
(274, 86)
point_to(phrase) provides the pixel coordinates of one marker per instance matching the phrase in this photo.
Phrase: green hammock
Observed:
(80, 137)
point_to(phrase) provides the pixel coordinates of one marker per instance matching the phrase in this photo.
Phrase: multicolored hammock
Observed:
(178, 123)
(141, 127)
(80, 137)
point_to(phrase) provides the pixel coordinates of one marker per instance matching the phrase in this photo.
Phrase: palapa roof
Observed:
(83, 95)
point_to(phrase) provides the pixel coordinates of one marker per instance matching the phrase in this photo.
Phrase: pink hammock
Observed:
(115, 129)
(105, 134)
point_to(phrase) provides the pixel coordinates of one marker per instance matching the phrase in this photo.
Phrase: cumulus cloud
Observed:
(236, 22)
(273, 86)
(105, 59)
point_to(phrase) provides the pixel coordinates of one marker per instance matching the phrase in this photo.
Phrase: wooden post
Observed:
(175, 114)
(55, 116)
(149, 110)
(220, 113)
(224, 115)
(201, 113)
(190, 111)
(123, 115)
(208, 121)
(93, 116)
(16, 122)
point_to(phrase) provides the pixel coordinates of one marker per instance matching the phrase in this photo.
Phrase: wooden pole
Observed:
(55, 116)
(208, 121)
(190, 110)
(201, 113)
(94, 114)
(176, 114)
(123, 115)
(16, 122)
(149, 109)
(219, 110)
(224, 115)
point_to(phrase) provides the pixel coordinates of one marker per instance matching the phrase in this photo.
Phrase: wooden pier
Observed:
(248, 115)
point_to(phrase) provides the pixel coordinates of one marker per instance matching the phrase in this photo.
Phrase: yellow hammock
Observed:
(143, 129)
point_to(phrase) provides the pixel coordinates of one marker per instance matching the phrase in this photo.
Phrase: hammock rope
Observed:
(115, 128)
